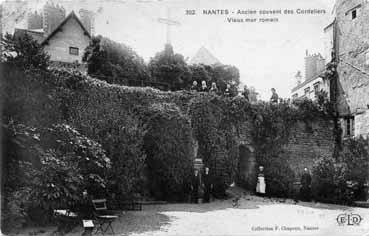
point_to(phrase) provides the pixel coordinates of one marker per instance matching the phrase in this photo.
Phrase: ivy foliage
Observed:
(170, 153)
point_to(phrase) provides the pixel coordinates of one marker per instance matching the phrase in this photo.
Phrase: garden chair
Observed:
(103, 217)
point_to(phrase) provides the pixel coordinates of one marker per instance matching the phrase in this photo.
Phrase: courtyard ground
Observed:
(254, 216)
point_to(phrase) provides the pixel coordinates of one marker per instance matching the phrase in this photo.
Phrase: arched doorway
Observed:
(246, 165)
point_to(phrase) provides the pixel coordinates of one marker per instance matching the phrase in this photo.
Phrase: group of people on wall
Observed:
(213, 88)
(274, 99)
(206, 183)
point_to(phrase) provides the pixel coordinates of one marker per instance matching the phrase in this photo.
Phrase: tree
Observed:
(170, 67)
(24, 51)
(114, 62)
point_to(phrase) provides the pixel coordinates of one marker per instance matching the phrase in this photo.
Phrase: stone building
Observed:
(88, 20)
(52, 16)
(67, 42)
(34, 21)
(351, 54)
(313, 82)
(63, 37)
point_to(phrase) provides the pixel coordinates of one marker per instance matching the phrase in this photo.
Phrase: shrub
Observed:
(54, 164)
(329, 182)
(169, 149)
(114, 62)
(342, 179)
(24, 52)
(125, 148)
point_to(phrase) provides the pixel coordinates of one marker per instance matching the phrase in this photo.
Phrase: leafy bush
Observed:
(329, 182)
(114, 62)
(170, 67)
(169, 148)
(13, 214)
(55, 165)
(342, 179)
(124, 146)
(24, 52)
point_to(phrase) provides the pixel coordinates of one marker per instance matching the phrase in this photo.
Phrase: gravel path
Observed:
(255, 216)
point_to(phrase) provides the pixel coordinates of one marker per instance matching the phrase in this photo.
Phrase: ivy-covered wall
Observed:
(178, 126)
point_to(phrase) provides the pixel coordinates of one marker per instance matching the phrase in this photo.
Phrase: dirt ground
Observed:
(254, 216)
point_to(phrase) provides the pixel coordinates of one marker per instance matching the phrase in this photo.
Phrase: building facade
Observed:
(351, 50)
(68, 41)
(63, 37)
(313, 81)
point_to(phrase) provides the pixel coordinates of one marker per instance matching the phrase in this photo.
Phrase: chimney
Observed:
(88, 20)
(298, 77)
(53, 16)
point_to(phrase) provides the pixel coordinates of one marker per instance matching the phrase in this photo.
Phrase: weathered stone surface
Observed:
(352, 47)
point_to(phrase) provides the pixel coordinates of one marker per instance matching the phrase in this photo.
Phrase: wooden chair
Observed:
(104, 218)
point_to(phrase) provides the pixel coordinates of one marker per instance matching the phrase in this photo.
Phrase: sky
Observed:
(267, 54)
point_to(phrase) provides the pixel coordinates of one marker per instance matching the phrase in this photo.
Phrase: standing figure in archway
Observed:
(305, 186)
(195, 184)
(260, 186)
(208, 184)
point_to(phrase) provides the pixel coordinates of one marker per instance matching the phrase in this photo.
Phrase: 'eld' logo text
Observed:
(349, 219)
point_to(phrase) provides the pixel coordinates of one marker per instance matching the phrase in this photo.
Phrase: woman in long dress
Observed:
(260, 186)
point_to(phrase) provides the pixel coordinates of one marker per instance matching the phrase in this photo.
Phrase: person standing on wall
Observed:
(260, 186)
(204, 87)
(194, 86)
(195, 184)
(274, 98)
(227, 91)
(208, 184)
(246, 93)
(305, 191)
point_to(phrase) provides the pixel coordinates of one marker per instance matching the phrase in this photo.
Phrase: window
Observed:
(348, 126)
(307, 90)
(353, 14)
(73, 51)
(317, 87)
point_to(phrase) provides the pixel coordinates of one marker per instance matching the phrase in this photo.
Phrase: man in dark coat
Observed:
(208, 184)
(305, 185)
(195, 184)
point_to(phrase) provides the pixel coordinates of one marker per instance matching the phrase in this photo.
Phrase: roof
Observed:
(36, 34)
(204, 56)
(70, 16)
(328, 26)
(306, 82)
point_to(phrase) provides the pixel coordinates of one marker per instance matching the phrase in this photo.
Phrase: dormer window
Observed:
(353, 12)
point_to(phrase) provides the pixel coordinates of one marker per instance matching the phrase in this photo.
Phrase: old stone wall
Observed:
(352, 47)
(307, 142)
